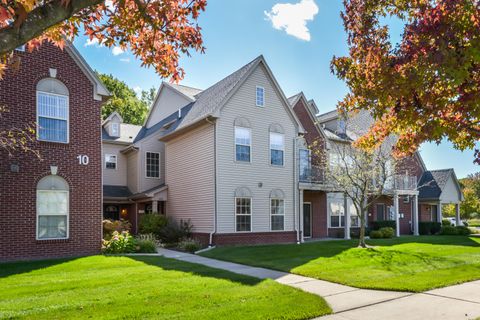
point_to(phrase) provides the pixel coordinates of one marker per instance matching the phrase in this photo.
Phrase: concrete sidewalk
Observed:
(455, 302)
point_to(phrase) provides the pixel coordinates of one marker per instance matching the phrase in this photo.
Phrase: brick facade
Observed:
(18, 189)
(247, 238)
(318, 200)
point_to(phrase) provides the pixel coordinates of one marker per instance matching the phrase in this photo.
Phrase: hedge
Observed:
(377, 225)
(428, 227)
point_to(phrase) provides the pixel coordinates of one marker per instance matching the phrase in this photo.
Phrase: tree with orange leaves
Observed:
(156, 31)
(426, 87)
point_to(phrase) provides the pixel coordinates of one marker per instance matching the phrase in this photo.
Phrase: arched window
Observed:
(52, 208)
(277, 210)
(243, 209)
(52, 111)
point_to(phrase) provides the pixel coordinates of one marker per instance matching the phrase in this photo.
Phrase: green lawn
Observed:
(405, 264)
(114, 287)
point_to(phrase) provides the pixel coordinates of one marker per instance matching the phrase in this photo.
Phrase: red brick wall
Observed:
(312, 136)
(248, 238)
(405, 208)
(412, 165)
(318, 199)
(18, 190)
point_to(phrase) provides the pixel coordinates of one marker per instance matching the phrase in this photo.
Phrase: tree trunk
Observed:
(361, 240)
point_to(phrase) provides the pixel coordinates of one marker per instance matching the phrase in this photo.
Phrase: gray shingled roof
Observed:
(210, 100)
(128, 133)
(327, 116)
(116, 191)
(188, 91)
(433, 182)
(294, 98)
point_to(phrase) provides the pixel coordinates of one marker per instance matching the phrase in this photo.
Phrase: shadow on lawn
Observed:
(195, 269)
(15, 268)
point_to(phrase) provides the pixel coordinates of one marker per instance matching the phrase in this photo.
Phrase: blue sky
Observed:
(236, 31)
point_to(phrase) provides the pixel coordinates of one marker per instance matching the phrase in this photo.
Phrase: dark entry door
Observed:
(380, 212)
(307, 220)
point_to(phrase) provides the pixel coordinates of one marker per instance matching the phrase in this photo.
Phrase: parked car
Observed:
(453, 221)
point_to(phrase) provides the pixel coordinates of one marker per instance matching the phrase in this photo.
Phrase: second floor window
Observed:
(277, 147)
(115, 130)
(52, 113)
(110, 161)
(260, 97)
(242, 144)
(152, 165)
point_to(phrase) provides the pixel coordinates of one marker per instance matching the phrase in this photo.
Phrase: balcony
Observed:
(401, 182)
(312, 174)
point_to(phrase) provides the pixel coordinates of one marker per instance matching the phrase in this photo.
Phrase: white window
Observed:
(110, 161)
(305, 165)
(341, 126)
(260, 96)
(52, 208)
(336, 211)
(152, 164)
(52, 117)
(243, 214)
(277, 214)
(242, 144)
(115, 129)
(277, 148)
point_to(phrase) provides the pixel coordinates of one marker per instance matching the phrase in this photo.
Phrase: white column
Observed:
(415, 215)
(397, 214)
(301, 215)
(347, 217)
(457, 214)
(439, 212)
(155, 206)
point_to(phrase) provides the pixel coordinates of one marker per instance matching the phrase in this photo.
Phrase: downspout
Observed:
(210, 238)
(295, 190)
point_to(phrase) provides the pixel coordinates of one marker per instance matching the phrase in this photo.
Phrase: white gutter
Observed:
(210, 237)
(295, 190)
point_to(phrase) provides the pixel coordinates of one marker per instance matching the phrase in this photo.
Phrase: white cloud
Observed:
(117, 50)
(93, 42)
(127, 60)
(109, 4)
(137, 90)
(293, 17)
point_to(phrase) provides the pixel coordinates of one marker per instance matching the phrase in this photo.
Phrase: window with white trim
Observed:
(52, 208)
(242, 144)
(336, 212)
(110, 161)
(115, 129)
(277, 214)
(243, 214)
(260, 96)
(52, 117)
(152, 165)
(277, 148)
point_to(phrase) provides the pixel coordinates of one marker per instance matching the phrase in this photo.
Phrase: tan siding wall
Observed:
(150, 144)
(132, 171)
(232, 175)
(116, 177)
(168, 102)
(450, 193)
(190, 178)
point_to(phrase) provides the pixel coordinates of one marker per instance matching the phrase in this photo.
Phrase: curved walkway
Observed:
(455, 302)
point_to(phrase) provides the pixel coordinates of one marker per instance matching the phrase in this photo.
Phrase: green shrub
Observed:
(109, 226)
(145, 246)
(449, 230)
(428, 227)
(376, 234)
(463, 231)
(446, 222)
(174, 232)
(152, 223)
(387, 232)
(377, 225)
(189, 245)
(120, 242)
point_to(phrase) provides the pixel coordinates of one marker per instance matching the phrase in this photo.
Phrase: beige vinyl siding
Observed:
(231, 174)
(190, 178)
(150, 144)
(167, 103)
(132, 171)
(113, 177)
(450, 193)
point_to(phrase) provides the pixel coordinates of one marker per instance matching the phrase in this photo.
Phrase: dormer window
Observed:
(115, 130)
(260, 96)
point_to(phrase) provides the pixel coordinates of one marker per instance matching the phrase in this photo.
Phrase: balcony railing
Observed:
(313, 174)
(402, 182)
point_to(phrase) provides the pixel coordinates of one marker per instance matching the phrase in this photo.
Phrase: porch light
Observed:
(123, 212)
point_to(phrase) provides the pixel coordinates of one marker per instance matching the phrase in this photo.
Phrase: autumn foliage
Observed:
(424, 88)
(156, 31)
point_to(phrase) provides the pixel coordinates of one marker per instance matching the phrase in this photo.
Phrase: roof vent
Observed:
(179, 113)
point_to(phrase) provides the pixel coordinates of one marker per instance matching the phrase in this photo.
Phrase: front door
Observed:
(307, 220)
